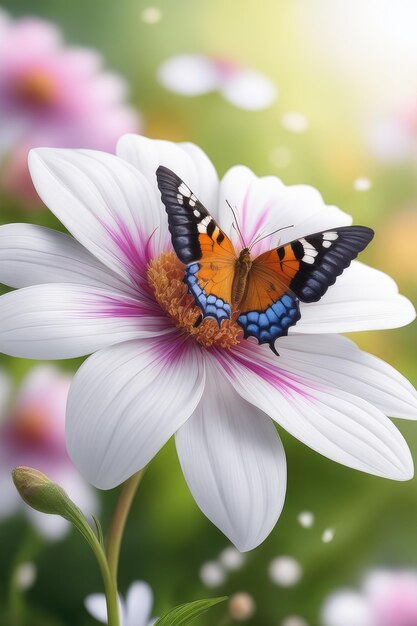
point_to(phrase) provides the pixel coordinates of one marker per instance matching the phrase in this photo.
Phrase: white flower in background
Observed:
(212, 574)
(285, 571)
(387, 598)
(54, 95)
(136, 610)
(232, 559)
(328, 535)
(306, 519)
(32, 433)
(116, 289)
(198, 74)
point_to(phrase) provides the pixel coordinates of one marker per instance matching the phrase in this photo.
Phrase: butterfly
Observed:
(264, 292)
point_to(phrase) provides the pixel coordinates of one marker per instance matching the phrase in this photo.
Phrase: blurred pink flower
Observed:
(392, 137)
(197, 74)
(32, 432)
(53, 95)
(387, 598)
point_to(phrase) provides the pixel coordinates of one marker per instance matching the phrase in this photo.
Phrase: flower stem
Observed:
(118, 522)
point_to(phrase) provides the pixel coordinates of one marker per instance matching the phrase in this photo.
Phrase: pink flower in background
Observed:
(54, 95)
(387, 598)
(32, 432)
(392, 137)
(116, 289)
(197, 74)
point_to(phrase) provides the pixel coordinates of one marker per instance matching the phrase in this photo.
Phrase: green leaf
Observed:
(185, 613)
(100, 535)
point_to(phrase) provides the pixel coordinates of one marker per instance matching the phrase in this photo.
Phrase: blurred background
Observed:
(340, 113)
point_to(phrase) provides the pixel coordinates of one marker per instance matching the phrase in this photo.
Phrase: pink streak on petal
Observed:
(280, 379)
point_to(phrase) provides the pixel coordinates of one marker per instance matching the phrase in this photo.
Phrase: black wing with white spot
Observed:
(187, 217)
(317, 260)
(200, 244)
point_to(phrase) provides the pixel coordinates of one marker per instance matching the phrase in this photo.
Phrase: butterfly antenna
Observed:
(257, 240)
(236, 224)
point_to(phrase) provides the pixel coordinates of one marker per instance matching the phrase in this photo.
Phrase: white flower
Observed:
(197, 74)
(387, 598)
(32, 433)
(151, 376)
(135, 611)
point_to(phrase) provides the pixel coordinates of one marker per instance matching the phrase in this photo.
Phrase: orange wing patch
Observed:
(217, 265)
(269, 279)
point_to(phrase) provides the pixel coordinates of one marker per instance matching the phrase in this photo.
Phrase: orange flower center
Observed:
(166, 278)
(36, 88)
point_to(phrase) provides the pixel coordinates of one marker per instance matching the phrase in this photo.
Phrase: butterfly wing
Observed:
(301, 270)
(201, 245)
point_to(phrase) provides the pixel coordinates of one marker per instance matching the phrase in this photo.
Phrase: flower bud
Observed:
(40, 493)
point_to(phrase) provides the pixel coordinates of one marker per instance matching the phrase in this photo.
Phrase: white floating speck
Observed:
(231, 558)
(294, 620)
(212, 574)
(241, 606)
(328, 535)
(280, 156)
(151, 15)
(306, 519)
(294, 122)
(285, 571)
(362, 184)
(26, 575)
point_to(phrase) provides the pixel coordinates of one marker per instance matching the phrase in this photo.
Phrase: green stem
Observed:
(118, 522)
(110, 588)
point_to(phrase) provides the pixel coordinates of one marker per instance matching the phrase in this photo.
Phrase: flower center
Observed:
(36, 88)
(28, 427)
(166, 278)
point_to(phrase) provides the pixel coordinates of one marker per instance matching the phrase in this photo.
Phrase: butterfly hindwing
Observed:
(201, 245)
(301, 270)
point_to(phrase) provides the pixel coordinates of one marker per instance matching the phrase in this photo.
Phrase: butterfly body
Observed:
(262, 293)
(243, 265)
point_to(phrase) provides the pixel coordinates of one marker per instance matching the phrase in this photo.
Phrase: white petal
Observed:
(234, 464)
(61, 321)
(104, 202)
(335, 360)
(346, 608)
(95, 604)
(263, 205)
(33, 255)
(187, 160)
(189, 74)
(249, 90)
(362, 298)
(126, 401)
(335, 423)
(139, 601)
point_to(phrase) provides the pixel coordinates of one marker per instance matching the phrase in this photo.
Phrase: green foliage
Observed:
(186, 613)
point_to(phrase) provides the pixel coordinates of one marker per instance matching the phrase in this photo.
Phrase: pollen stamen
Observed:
(166, 278)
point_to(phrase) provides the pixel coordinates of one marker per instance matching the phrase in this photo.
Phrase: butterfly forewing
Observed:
(201, 245)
